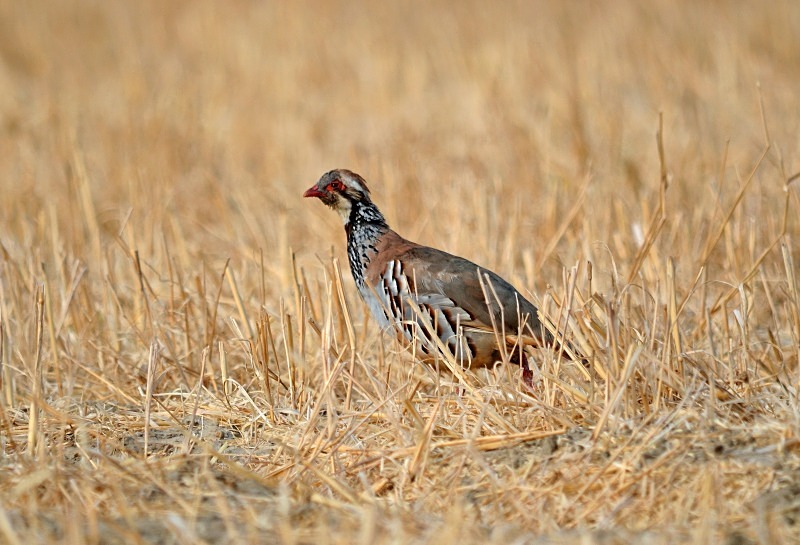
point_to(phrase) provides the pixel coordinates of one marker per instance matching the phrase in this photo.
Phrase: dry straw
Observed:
(183, 356)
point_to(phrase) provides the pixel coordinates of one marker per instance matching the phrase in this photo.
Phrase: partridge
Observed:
(470, 309)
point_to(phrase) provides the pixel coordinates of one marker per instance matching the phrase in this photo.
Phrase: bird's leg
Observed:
(527, 376)
(526, 362)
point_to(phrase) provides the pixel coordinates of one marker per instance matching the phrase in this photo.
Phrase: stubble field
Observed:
(185, 358)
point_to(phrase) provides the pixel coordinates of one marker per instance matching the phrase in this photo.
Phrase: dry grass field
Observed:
(185, 359)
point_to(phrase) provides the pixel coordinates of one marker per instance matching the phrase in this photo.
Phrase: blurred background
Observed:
(476, 124)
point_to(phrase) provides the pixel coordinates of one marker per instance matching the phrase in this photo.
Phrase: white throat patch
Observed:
(344, 207)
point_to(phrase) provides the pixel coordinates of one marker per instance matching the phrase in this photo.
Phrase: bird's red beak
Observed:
(313, 191)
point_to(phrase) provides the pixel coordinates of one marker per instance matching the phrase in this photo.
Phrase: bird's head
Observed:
(340, 189)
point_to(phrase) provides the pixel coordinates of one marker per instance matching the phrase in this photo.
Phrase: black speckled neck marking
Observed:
(365, 226)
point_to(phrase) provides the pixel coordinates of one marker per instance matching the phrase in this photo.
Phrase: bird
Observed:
(437, 300)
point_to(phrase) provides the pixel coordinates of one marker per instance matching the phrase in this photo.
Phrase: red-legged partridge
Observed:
(469, 313)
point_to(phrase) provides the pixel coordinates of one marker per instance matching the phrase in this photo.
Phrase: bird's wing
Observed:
(490, 302)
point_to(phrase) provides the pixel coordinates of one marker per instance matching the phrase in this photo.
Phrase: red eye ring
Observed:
(335, 185)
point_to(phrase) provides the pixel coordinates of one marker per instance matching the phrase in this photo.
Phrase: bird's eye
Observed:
(336, 185)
